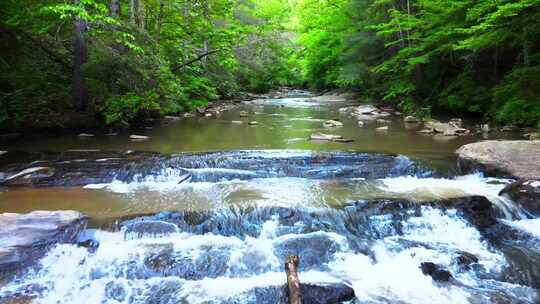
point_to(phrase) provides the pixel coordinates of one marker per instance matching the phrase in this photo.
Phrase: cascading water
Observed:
(233, 252)
(363, 220)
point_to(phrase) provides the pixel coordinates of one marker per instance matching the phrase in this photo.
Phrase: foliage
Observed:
(150, 57)
(478, 56)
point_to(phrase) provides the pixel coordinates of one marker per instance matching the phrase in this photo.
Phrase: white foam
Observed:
(442, 188)
(531, 226)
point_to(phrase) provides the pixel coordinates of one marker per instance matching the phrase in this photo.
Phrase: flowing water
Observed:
(232, 218)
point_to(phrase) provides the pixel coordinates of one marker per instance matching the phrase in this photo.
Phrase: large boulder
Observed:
(514, 158)
(24, 238)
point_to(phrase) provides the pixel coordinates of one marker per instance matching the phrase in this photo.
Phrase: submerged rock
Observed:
(149, 228)
(514, 158)
(24, 238)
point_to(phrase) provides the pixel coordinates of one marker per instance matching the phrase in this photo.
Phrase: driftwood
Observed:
(293, 283)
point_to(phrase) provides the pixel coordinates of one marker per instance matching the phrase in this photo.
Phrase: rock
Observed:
(80, 168)
(208, 115)
(24, 238)
(525, 193)
(25, 176)
(382, 121)
(111, 134)
(532, 136)
(332, 124)
(484, 128)
(457, 122)
(435, 271)
(447, 129)
(187, 115)
(509, 128)
(237, 122)
(427, 131)
(85, 135)
(343, 140)
(3, 152)
(253, 123)
(243, 114)
(361, 123)
(411, 119)
(514, 158)
(382, 129)
(138, 137)
(329, 293)
(151, 228)
(169, 118)
(322, 136)
(465, 259)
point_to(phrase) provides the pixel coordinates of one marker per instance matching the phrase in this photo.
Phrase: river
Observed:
(241, 213)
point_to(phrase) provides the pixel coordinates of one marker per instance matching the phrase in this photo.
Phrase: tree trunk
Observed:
(293, 283)
(79, 90)
(141, 22)
(159, 22)
(206, 43)
(132, 10)
(114, 8)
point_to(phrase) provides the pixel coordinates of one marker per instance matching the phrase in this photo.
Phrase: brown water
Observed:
(282, 124)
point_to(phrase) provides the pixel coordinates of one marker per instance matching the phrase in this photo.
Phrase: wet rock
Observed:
(26, 176)
(457, 122)
(526, 193)
(326, 293)
(532, 136)
(149, 228)
(411, 119)
(447, 129)
(382, 129)
(253, 123)
(332, 124)
(169, 118)
(80, 168)
(435, 271)
(134, 137)
(323, 136)
(465, 260)
(382, 121)
(509, 128)
(514, 158)
(86, 135)
(484, 128)
(189, 115)
(315, 248)
(243, 114)
(427, 131)
(237, 122)
(90, 244)
(361, 123)
(24, 238)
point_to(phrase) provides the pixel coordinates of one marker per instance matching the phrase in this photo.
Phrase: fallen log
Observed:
(293, 283)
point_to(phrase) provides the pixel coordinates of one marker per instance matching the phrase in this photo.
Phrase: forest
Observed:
(111, 62)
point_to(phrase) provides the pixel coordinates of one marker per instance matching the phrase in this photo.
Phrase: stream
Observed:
(184, 226)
